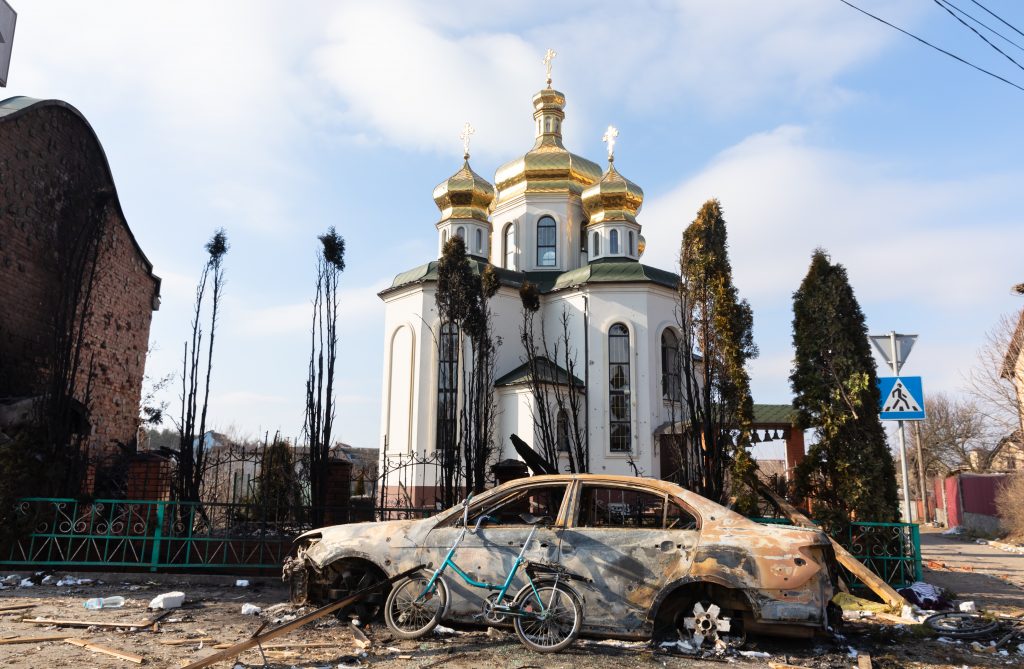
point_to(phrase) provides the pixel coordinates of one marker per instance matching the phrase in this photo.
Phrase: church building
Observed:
(563, 223)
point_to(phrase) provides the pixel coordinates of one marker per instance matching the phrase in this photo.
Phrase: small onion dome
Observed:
(613, 198)
(548, 167)
(464, 195)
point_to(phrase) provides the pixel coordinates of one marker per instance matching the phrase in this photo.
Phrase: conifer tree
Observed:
(849, 470)
(717, 340)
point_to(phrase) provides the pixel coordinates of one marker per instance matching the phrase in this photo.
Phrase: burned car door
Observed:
(631, 541)
(488, 554)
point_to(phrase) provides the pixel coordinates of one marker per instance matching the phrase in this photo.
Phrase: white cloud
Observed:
(929, 256)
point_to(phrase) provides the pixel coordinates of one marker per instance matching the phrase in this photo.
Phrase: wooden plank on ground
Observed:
(34, 639)
(106, 650)
(257, 639)
(845, 558)
(94, 623)
(863, 661)
(18, 607)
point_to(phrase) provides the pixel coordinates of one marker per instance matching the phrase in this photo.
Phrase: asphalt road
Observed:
(991, 577)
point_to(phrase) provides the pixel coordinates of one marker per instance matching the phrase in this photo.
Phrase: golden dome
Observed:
(613, 198)
(464, 195)
(548, 167)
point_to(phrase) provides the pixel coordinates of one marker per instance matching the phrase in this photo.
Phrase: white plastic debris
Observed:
(12, 579)
(71, 580)
(25, 583)
(953, 531)
(679, 645)
(250, 610)
(241, 583)
(47, 580)
(754, 653)
(168, 600)
(441, 629)
(968, 607)
(97, 603)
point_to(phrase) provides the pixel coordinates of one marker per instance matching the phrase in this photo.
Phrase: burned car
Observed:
(657, 558)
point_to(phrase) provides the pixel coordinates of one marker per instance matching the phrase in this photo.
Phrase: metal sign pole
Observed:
(896, 365)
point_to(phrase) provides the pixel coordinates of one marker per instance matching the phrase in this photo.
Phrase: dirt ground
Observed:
(212, 615)
(988, 575)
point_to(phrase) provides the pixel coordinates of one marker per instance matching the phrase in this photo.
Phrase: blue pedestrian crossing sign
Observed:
(902, 398)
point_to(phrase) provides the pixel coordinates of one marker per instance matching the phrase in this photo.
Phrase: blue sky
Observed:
(813, 124)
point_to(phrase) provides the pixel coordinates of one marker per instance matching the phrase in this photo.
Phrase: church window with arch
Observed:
(447, 385)
(562, 431)
(620, 426)
(596, 245)
(632, 243)
(479, 240)
(671, 382)
(510, 246)
(547, 242)
(613, 242)
(461, 233)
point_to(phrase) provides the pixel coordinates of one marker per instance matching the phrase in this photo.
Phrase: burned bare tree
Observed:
(192, 421)
(466, 408)
(716, 342)
(558, 411)
(323, 355)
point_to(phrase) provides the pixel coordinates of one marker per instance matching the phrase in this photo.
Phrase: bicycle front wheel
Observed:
(549, 618)
(412, 611)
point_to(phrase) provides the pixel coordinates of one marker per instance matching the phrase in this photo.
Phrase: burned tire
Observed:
(353, 576)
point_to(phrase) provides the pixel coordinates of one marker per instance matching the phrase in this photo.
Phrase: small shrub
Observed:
(1010, 503)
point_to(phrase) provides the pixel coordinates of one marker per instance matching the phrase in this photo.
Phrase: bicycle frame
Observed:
(502, 590)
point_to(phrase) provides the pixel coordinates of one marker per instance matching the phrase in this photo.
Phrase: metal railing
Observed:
(164, 535)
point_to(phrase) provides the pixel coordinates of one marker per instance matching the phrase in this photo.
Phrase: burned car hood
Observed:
(364, 540)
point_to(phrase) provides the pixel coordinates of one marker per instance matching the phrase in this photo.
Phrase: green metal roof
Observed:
(549, 372)
(774, 413)
(617, 271)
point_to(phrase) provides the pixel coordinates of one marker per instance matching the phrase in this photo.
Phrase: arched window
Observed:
(479, 240)
(510, 246)
(671, 386)
(447, 384)
(546, 242)
(613, 242)
(619, 423)
(596, 250)
(632, 243)
(461, 232)
(562, 431)
(444, 237)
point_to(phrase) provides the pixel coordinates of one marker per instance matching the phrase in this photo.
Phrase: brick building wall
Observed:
(52, 168)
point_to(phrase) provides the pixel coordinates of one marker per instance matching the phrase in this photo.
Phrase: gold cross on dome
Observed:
(609, 138)
(548, 57)
(467, 132)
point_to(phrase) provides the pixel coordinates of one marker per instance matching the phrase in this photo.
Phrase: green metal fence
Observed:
(161, 535)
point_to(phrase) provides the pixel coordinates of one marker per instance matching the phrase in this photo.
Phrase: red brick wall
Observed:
(51, 167)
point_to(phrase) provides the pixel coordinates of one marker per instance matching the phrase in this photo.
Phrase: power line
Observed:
(981, 23)
(927, 43)
(971, 28)
(1014, 28)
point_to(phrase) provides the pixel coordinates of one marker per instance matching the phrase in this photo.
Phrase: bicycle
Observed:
(547, 616)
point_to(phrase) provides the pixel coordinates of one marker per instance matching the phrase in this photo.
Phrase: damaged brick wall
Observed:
(49, 157)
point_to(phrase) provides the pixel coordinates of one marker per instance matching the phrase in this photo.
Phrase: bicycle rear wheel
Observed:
(552, 620)
(410, 615)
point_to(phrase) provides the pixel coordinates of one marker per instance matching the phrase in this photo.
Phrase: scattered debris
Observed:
(26, 583)
(16, 607)
(168, 600)
(251, 610)
(106, 650)
(961, 625)
(71, 580)
(242, 583)
(754, 654)
(926, 596)
(258, 638)
(441, 630)
(968, 607)
(848, 602)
